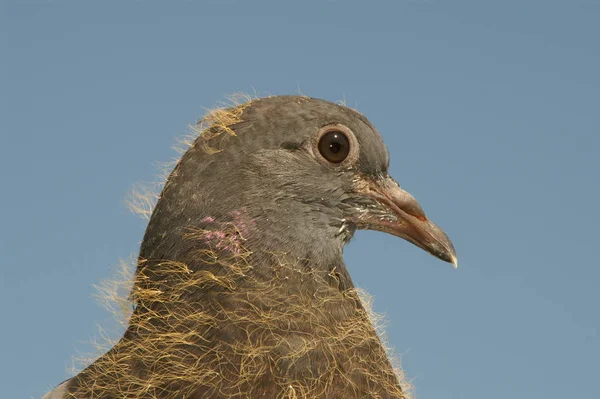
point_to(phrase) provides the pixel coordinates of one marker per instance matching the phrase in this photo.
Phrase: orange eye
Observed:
(334, 146)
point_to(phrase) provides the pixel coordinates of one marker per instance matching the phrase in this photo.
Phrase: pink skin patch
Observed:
(242, 222)
(229, 236)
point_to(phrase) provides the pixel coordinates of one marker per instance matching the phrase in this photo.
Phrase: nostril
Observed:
(414, 209)
(405, 201)
(388, 190)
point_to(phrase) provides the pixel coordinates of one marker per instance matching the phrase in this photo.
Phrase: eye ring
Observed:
(335, 145)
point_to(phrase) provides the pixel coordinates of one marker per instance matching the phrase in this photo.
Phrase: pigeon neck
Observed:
(259, 244)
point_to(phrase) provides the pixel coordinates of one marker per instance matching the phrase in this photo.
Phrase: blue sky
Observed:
(490, 110)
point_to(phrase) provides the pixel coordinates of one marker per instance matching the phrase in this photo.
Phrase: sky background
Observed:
(490, 111)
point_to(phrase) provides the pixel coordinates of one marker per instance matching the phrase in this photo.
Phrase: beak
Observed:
(398, 213)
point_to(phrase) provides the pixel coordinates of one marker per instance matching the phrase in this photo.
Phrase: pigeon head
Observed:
(287, 174)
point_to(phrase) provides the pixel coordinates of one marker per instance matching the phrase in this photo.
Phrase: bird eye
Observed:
(334, 146)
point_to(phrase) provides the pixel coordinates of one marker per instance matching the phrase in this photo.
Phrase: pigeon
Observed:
(240, 289)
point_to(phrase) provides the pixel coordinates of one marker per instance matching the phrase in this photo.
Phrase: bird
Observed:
(240, 288)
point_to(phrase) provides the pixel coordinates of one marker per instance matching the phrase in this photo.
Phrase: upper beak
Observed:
(403, 217)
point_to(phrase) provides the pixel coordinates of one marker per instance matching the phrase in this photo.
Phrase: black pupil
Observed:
(334, 146)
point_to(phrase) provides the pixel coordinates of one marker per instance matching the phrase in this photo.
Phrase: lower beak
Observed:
(403, 217)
